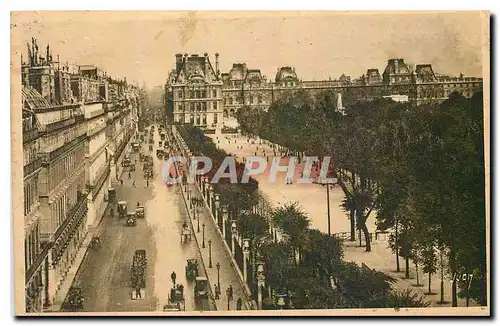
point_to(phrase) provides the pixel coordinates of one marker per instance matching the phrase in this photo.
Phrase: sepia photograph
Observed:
(259, 163)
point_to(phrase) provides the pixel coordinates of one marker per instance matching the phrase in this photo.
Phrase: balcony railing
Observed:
(32, 166)
(29, 135)
(50, 127)
(48, 157)
(96, 187)
(78, 208)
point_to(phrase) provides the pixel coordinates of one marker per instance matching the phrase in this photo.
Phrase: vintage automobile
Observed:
(95, 243)
(200, 288)
(75, 298)
(191, 269)
(131, 219)
(176, 297)
(136, 147)
(122, 209)
(162, 135)
(131, 167)
(126, 162)
(159, 153)
(139, 212)
(160, 144)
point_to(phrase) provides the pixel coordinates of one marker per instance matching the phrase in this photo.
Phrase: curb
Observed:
(197, 244)
(249, 303)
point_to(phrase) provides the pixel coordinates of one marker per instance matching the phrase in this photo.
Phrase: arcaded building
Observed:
(67, 164)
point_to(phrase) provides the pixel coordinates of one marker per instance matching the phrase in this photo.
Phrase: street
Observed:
(104, 275)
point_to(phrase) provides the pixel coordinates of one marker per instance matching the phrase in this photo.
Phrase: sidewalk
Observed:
(228, 275)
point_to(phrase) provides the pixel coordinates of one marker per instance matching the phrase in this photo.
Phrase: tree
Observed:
(322, 252)
(362, 287)
(294, 223)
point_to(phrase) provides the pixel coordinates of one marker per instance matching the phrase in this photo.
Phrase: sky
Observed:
(141, 46)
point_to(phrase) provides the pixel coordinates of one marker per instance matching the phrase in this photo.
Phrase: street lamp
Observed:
(327, 184)
(198, 219)
(210, 253)
(218, 274)
(203, 242)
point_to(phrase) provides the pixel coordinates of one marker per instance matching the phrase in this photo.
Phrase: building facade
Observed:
(67, 164)
(245, 87)
(194, 91)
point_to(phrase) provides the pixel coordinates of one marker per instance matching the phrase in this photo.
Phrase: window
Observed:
(260, 99)
(214, 93)
(215, 105)
(215, 118)
(204, 94)
(204, 122)
(180, 93)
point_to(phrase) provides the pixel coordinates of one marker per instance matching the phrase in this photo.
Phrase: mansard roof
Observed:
(285, 73)
(425, 73)
(196, 68)
(396, 66)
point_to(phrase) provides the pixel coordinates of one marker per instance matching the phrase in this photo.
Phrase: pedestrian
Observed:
(138, 292)
(173, 276)
(121, 182)
(216, 288)
(129, 176)
(230, 293)
(239, 304)
(133, 184)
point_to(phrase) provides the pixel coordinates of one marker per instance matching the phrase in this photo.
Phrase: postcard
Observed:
(251, 163)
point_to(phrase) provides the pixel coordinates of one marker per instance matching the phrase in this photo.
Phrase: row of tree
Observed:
(305, 265)
(420, 168)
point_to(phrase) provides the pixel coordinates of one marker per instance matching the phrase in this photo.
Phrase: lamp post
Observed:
(218, 274)
(327, 184)
(195, 209)
(203, 242)
(210, 253)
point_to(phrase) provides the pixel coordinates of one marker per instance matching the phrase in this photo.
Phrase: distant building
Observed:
(245, 87)
(194, 91)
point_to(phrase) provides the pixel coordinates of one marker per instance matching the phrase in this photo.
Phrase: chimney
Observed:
(178, 61)
(217, 63)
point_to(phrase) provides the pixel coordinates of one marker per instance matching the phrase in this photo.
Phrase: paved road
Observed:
(104, 274)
